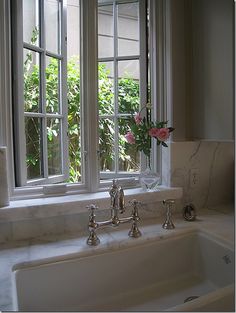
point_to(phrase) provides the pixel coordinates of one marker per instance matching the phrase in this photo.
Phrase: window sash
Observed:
(19, 115)
(143, 80)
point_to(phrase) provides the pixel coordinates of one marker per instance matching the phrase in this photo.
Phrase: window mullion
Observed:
(6, 135)
(159, 78)
(143, 63)
(116, 87)
(89, 89)
(120, 58)
(18, 95)
(32, 47)
(63, 92)
(44, 150)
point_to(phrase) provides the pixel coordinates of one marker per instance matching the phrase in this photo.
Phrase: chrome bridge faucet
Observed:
(117, 206)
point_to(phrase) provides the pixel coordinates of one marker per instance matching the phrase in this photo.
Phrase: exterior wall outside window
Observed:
(128, 23)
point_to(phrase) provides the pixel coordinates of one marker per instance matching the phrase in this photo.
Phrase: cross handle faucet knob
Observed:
(92, 207)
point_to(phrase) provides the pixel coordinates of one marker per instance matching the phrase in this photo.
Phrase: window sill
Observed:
(74, 204)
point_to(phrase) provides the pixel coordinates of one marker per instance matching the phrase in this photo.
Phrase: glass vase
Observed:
(149, 179)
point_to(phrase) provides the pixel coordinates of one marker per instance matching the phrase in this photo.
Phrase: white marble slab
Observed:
(68, 214)
(214, 161)
(220, 225)
(65, 205)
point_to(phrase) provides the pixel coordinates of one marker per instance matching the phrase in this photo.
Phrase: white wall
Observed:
(213, 67)
(202, 69)
(179, 69)
(202, 56)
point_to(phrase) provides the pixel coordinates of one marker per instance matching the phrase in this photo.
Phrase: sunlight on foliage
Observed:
(128, 98)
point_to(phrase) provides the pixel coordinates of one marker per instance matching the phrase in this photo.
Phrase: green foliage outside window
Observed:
(128, 98)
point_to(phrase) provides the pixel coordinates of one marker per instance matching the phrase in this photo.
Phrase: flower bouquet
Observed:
(142, 131)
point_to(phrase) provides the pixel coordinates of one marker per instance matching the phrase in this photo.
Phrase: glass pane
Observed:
(31, 22)
(105, 31)
(129, 157)
(52, 10)
(106, 145)
(73, 89)
(105, 88)
(33, 147)
(128, 86)
(73, 28)
(54, 146)
(105, 47)
(31, 81)
(128, 29)
(52, 76)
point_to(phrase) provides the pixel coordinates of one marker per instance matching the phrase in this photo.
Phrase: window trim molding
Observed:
(17, 92)
(18, 97)
(89, 110)
(6, 134)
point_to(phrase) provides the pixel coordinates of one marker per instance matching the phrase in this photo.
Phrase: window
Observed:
(76, 84)
(40, 94)
(122, 82)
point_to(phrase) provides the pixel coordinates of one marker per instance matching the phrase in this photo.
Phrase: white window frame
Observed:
(42, 115)
(142, 58)
(89, 80)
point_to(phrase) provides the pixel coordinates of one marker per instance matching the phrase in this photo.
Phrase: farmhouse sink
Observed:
(192, 271)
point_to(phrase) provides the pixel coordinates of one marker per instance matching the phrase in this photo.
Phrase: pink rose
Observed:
(153, 132)
(163, 134)
(137, 118)
(130, 138)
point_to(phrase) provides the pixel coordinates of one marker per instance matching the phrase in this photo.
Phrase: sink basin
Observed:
(192, 271)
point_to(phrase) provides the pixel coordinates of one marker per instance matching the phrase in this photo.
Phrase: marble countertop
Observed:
(219, 224)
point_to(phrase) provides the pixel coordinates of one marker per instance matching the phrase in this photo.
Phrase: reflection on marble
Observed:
(62, 247)
(61, 217)
(214, 161)
(5, 232)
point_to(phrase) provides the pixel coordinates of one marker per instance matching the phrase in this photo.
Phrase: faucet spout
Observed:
(117, 206)
(117, 199)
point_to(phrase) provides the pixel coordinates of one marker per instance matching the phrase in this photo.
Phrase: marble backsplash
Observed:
(71, 224)
(35, 222)
(213, 164)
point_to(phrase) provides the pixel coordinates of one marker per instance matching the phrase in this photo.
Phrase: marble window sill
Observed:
(72, 204)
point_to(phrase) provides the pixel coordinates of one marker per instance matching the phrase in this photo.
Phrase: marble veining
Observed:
(211, 171)
(196, 151)
(215, 162)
